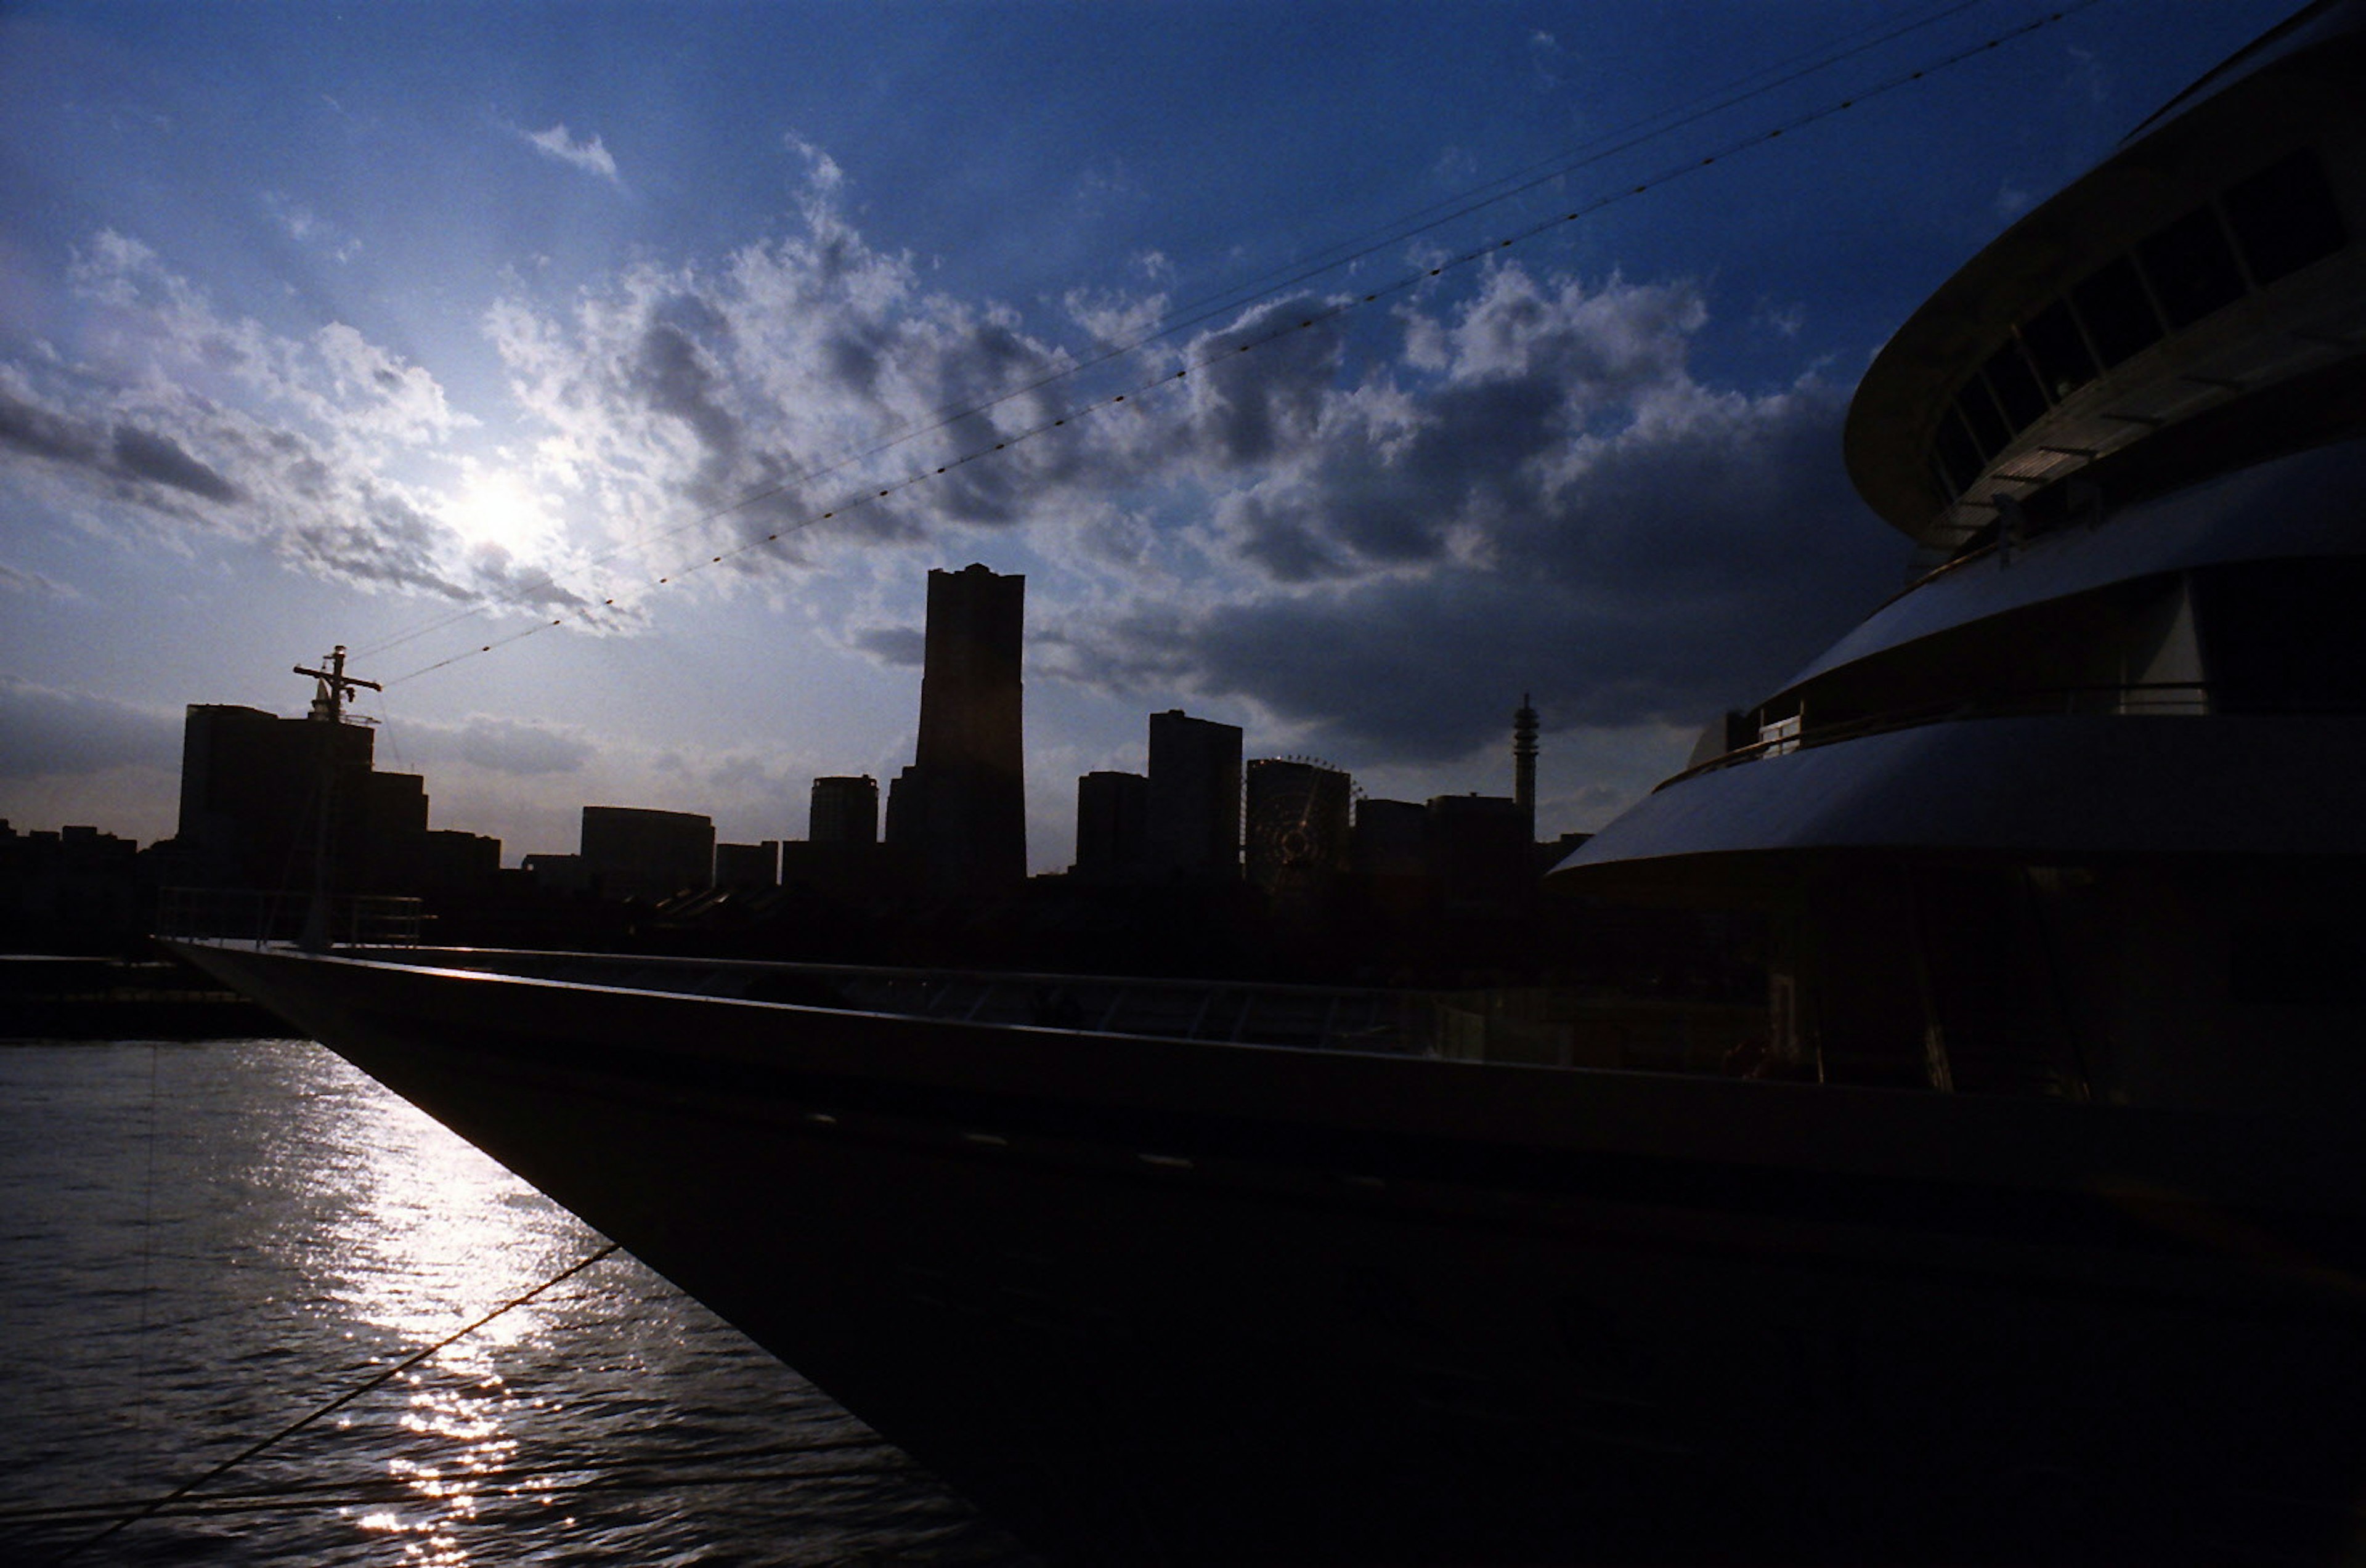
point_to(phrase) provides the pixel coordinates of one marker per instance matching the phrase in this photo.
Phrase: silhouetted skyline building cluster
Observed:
(263, 797)
(1207, 846)
(1298, 830)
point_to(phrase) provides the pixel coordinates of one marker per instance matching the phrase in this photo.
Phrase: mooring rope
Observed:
(226, 1466)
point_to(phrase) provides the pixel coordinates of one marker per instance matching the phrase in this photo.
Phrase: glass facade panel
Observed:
(2284, 216)
(2118, 313)
(2059, 352)
(1958, 453)
(2191, 268)
(2015, 386)
(1984, 418)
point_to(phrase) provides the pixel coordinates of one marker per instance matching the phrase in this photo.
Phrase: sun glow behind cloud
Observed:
(367, 364)
(496, 508)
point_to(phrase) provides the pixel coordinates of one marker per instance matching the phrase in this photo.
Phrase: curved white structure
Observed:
(2079, 813)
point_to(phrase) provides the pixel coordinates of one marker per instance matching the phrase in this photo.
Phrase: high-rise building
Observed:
(1193, 828)
(960, 810)
(1390, 839)
(1481, 852)
(1112, 812)
(253, 789)
(844, 811)
(1297, 823)
(630, 851)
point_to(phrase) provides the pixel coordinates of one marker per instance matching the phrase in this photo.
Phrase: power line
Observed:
(1206, 308)
(1319, 316)
(155, 1504)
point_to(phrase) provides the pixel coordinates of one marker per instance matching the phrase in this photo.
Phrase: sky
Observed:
(428, 328)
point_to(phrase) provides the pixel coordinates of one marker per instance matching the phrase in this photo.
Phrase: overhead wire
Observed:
(1314, 317)
(156, 1505)
(1301, 270)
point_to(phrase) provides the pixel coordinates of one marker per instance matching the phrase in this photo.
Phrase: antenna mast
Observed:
(331, 687)
(1524, 762)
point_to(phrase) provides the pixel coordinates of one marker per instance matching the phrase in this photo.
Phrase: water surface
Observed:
(199, 1245)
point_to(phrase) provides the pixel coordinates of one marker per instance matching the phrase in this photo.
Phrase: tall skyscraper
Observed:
(1194, 828)
(961, 808)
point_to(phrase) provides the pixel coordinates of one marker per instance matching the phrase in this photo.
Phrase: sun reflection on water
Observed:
(425, 1235)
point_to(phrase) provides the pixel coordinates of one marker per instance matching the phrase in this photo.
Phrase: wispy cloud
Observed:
(34, 584)
(590, 156)
(310, 230)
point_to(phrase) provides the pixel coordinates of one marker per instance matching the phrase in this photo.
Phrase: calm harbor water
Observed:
(199, 1245)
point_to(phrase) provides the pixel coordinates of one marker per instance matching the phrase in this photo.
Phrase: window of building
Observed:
(2054, 346)
(2015, 385)
(2191, 268)
(1985, 419)
(2119, 315)
(1959, 457)
(2284, 216)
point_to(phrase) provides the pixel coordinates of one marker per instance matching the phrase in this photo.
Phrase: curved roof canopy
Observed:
(2103, 315)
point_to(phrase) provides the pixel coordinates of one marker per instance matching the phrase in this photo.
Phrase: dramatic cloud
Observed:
(46, 733)
(1536, 495)
(903, 646)
(1361, 523)
(335, 452)
(1376, 526)
(160, 459)
(588, 156)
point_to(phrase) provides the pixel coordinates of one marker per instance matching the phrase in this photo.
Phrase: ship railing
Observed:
(1310, 1017)
(1799, 732)
(262, 917)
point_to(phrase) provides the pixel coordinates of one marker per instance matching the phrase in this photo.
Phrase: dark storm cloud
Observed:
(41, 433)
(905, 647)
(126, 451)
(1561, 510)
(48, 733)
(163, 460)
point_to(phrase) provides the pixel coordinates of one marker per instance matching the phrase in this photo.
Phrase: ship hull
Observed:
(1162, 1301)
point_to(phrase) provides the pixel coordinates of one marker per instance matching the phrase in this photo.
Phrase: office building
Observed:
(844, 811)
(1112, 818)
(632, 853)
(960, 810)
(1390, 840)
(747, 867)
(1192, 831)
(253, 789)
(1481, 852)
(1298, 823)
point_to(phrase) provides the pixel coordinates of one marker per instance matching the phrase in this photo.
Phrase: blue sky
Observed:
(327, 324)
